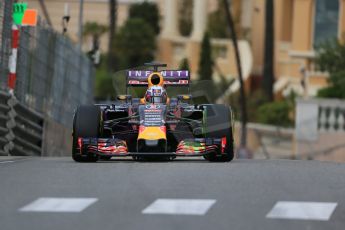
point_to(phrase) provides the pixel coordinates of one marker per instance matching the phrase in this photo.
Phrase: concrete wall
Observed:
(266, 141)
(320, 129)
(327, 147)
(57, 139)
(270, 142)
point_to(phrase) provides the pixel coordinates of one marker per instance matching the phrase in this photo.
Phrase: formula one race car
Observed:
(155, 126)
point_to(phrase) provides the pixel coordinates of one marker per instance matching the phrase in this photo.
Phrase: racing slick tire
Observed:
(218, 125)
(86, 123)
(105, 158)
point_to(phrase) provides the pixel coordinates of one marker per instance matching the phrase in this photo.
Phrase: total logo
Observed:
(152, 106)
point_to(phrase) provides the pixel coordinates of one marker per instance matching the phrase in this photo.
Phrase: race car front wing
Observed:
(115, 147)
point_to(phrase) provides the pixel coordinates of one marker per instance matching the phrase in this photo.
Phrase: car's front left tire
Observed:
(219, 125)
(86, 123)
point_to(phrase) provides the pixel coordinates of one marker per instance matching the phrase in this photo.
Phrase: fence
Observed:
(53, 75)
(53, 78)
(5, 40)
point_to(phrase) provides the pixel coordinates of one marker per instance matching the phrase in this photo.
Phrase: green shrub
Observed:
(104, 88)
(275, 113)
(135, 43)
(336, 88)
(331, 57)
(147, 11)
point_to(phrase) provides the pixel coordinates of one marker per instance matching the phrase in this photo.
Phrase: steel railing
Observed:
(21, 128)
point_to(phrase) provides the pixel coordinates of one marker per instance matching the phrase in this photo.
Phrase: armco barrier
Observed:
(4, 132)
(21, 128)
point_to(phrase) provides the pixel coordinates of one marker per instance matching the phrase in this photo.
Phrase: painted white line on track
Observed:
(179, 206)
(302, 210)
(5, 162)
(51, 204)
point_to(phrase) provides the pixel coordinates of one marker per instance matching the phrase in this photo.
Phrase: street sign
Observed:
(23, 16)
(30, 18)
(18, 12)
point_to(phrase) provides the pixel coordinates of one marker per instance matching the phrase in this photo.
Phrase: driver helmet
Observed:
(156, 95)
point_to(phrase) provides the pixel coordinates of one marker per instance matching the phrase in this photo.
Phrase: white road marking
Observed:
(179, 206)
(51, 204)
(15, 160)
(302, 210)
(4, 162)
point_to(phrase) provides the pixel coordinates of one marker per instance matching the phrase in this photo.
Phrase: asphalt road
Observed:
(241, 194)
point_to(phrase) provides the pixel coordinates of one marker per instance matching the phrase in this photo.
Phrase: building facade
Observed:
(299, 26)
(94, 11)
(172, 47)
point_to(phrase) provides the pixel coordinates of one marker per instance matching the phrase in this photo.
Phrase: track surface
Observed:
(244, 190)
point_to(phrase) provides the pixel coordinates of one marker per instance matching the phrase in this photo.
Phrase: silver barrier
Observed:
(21, 128)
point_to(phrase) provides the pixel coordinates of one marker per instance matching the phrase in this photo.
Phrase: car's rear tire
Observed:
(218, 125)
(86, 123)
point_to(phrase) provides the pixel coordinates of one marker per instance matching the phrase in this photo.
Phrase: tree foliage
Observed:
(184, 65)
(104, 89)
(206, 63)
(217, 24)
(331, 57)
(147, 11)
(336, 88)
(94, 29)
(260, 110)
(104, 86)
(275, 113)
(206, 85)
(135, 43)
(186, 17)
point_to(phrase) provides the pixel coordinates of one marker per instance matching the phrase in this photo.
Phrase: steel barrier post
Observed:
(13, 59)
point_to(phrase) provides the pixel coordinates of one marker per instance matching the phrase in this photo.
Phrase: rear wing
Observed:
(177, 78)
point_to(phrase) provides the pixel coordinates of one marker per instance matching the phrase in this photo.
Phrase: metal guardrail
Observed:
(4, 110)
(21, 128)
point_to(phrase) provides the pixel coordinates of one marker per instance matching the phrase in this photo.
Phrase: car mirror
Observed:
(184, 97)
(124, 97)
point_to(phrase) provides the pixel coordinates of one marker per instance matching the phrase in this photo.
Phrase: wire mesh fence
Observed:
(5, 39)
(53, 75)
